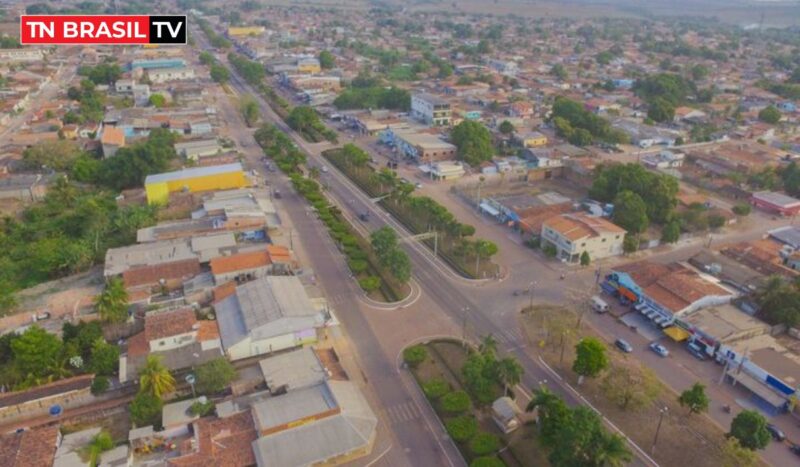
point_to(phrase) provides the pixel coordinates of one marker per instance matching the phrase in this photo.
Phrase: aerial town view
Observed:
(401, 233)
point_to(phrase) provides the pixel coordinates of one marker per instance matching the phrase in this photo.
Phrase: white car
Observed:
(324, 169)
(659, 349)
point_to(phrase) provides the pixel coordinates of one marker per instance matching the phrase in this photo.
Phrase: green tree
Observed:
(779, 301)
(326, 60)
(36, 352)
(219, 73)
(462, 428)
(155, 378)
(506, 127)
(445, 70)
(474, 142)
(661, 110)
(671, 232)
(630, 212)
(415, 355)
(56, 154)
(435, 388)
(630, 386)
(590, 357)
(456, 402)
(101, 443)
(630, 244)
(157, 100)
(112, 303)
(583, 440)
(214, 376)
(487, 461)
(750, 428)
(105, 358)
(484, 443)
(509, 372)
(559, 71)
(694, 398)
(552, 413)
(370, 283)
(250, 111)
(735, 455)
(742, 209)
(145, 409)
(585, 259)
(580, 137)
(770, 115)
(206, 58)
(303, 118)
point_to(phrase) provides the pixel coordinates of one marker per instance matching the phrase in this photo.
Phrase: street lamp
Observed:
(464, 312)
(191, 380)
(661, 412)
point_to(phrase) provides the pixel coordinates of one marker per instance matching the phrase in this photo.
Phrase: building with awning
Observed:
(664, 292)
(677, 333)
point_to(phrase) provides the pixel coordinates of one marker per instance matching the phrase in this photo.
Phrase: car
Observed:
(623, 345)
(695, 350)
(43, 316)
(277, 194)
(364, 216)
(659, 349)
(777, 433)
(418, 185)
(795, 448)
(324, 169)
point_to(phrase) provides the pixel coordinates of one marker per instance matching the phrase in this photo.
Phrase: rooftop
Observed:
(580, 225)
(274, 412)
(726, 323)
(777, 199)
(224, 442)
(177, 413)
(169, 323)
(240, 262)
(31, 448)
(296, 369)
(193, 173)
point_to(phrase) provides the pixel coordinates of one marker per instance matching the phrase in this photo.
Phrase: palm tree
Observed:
(510, 372)
(112, 304)
(542, 399)
(488, 345)
(155, 378)
(611, 451)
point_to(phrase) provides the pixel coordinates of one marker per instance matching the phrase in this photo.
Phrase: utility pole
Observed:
(464, 310)
(435, 244)
(530, 292)
(661, 412)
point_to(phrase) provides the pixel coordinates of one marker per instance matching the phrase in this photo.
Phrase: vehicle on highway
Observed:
(42, 316)
(659, 349)
(623, 345)
(324, 169)
(599, 305)
(795, 448)
(364, 216)
(696, 350)
(777, 433)
(418, 185)
(277, 194)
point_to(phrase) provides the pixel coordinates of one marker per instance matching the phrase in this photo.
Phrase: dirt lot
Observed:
(681, 437)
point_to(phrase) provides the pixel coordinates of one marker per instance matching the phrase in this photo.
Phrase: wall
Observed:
(37, 408)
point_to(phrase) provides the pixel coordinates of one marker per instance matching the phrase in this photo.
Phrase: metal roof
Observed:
(193, 173)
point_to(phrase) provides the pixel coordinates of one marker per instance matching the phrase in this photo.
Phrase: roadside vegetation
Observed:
(420, 214)
(381, 268)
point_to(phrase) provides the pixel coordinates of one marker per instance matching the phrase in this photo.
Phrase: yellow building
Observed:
(216, 177)
(308, 65)
(246, 31)
(533, 139)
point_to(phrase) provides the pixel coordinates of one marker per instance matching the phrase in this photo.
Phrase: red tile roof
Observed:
(31, 448)
(208, 331)
(224, 291)
(112, 135)
(240, 262)
(148, 275)
(223, 442)
(168, 323)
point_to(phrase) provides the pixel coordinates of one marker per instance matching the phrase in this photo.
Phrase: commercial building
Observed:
(574, 234)
(163, 75)
(664, 292)
(327, 424)
(776, 203)
(246, 266)
(194, 150)
(267, 315)
(423, 147)
(430, 109)
(217, 177)
(157, 63)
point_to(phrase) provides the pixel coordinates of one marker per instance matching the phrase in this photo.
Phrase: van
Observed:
(599, 305)
(696, 350)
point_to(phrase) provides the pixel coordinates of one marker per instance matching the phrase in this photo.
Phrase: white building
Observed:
(267, 315)
(21, 55)
(574, 234)
(163, 75)
(430, 109)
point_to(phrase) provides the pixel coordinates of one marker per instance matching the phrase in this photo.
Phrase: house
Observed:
(776, 203)
(24, 187)
(218, 441)
(788, 235)
(176, 336)
(168, 275)
(35, 447)
(111, 139)
(194, 150)
(241, 267)
(266, 315)
(664, 160)
(531, 139)
(688, 114)
(444, 170)
(430, 109)
(520, 109)
(330, 423)
(574, 234)
(728, 270)
(24, 54)
(217, 177)
(664, 292)
(72, 450)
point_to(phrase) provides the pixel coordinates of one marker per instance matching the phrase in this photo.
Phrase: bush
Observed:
(742, 209)
(202, 409)
(455, 402)
(484, 443)
(99, 385)
(145, 409)
(550, 250)
(435, 388)
(715, 221)
(462, 428)
(415, 355)
(487, 461)
(370, 283)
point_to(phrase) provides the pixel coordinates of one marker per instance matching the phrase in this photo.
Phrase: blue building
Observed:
(622, 83)
(787, 107)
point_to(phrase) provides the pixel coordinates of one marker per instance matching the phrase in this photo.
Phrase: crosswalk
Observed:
(510, 337)
(402, 413)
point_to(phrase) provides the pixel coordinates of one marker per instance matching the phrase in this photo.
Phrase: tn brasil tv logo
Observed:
(102, 29)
